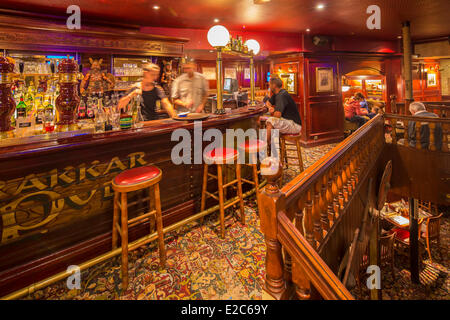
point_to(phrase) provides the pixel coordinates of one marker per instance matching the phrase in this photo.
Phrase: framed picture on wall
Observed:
(209, 73)
(431, 80)
(324, 79)
(289, 82)
(246, 73)
(230, 73)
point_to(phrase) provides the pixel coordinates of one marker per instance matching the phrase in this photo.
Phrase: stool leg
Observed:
(124, 226)
(204, 187)
(115, 219)
(255, 176)
(283, 152)
(239, 185)
(221, 205)
(256, 180)
(299, 155)
(159, 227)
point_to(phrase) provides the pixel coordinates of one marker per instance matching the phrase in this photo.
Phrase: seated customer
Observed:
(418, 109)
(283, 109)
(354, 112)
(364, 104)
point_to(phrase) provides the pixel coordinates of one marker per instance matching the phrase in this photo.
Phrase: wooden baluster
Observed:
(272, 202)
(318, 235)
(340, 185)
(445, 132)
(302, 284)
(353, 168)
(344, 179)
(329, 196)
(324, 205)
(432, 127)
(393, 123)
(336, 206)
(308, 220)
(405, 134)
(418, 126)
(348, 173)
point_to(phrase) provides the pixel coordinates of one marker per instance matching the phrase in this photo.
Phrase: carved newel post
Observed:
(272, 201)
(7, 103)
(393, 103)
(68, 100)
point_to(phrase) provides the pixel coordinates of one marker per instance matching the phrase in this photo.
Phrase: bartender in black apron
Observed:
(150, 94)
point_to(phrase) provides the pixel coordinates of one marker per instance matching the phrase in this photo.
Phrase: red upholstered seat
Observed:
(253, 145)
(292, 135)
(402, 234)
(221, 155)
(137, 175)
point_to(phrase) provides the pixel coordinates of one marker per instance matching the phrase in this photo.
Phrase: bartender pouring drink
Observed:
(190, 90)
(150, 93)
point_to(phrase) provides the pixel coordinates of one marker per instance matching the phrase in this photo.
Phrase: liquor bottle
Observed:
(24, 123)
(125, 120)
(100, 117)
(49, 116)
(239, 44)
(29, 97)
(82, 114)
(21, 109)
(39, 110)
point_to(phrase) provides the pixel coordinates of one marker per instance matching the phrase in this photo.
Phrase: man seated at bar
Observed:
(354, 112)
(150, 93)
(190, 90)
(418, 109)
(283, 109)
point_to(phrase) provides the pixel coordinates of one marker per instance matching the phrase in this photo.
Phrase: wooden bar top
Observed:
(150, 128)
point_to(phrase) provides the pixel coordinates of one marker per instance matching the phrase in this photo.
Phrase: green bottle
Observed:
(21, 109)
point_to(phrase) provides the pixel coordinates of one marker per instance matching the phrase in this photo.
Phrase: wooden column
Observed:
(413, 240)
(407, 64)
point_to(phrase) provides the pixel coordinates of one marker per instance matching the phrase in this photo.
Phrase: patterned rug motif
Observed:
(201, 265)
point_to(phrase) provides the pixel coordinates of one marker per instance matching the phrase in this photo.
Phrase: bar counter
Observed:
(56, 195)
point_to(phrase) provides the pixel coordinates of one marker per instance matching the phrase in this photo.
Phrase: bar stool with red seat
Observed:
(252, 148)
(219, 157)
(128, 181)
(295, 139)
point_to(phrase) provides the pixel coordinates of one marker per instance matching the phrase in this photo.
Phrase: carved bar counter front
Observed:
(56, 196)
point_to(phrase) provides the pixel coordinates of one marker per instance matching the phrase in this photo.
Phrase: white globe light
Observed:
(218, 36)
(253, 45)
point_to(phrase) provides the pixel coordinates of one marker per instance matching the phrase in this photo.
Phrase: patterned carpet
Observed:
(201, 265)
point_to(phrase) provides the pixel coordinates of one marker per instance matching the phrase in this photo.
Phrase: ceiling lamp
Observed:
(253, 45)
(261, 1)
(218, 36)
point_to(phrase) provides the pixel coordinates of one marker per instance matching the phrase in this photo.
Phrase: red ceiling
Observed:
(429, 18)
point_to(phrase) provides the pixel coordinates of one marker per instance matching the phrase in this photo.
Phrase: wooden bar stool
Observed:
(252, 148)
(132, 180)
(295, 139)
(219, 157)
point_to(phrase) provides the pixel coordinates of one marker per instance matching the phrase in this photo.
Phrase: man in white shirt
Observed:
(190, 90)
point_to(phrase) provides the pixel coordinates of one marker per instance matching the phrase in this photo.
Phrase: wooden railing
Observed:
(428, 133)
(441, 108)
(421, 167)
(313, 219)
